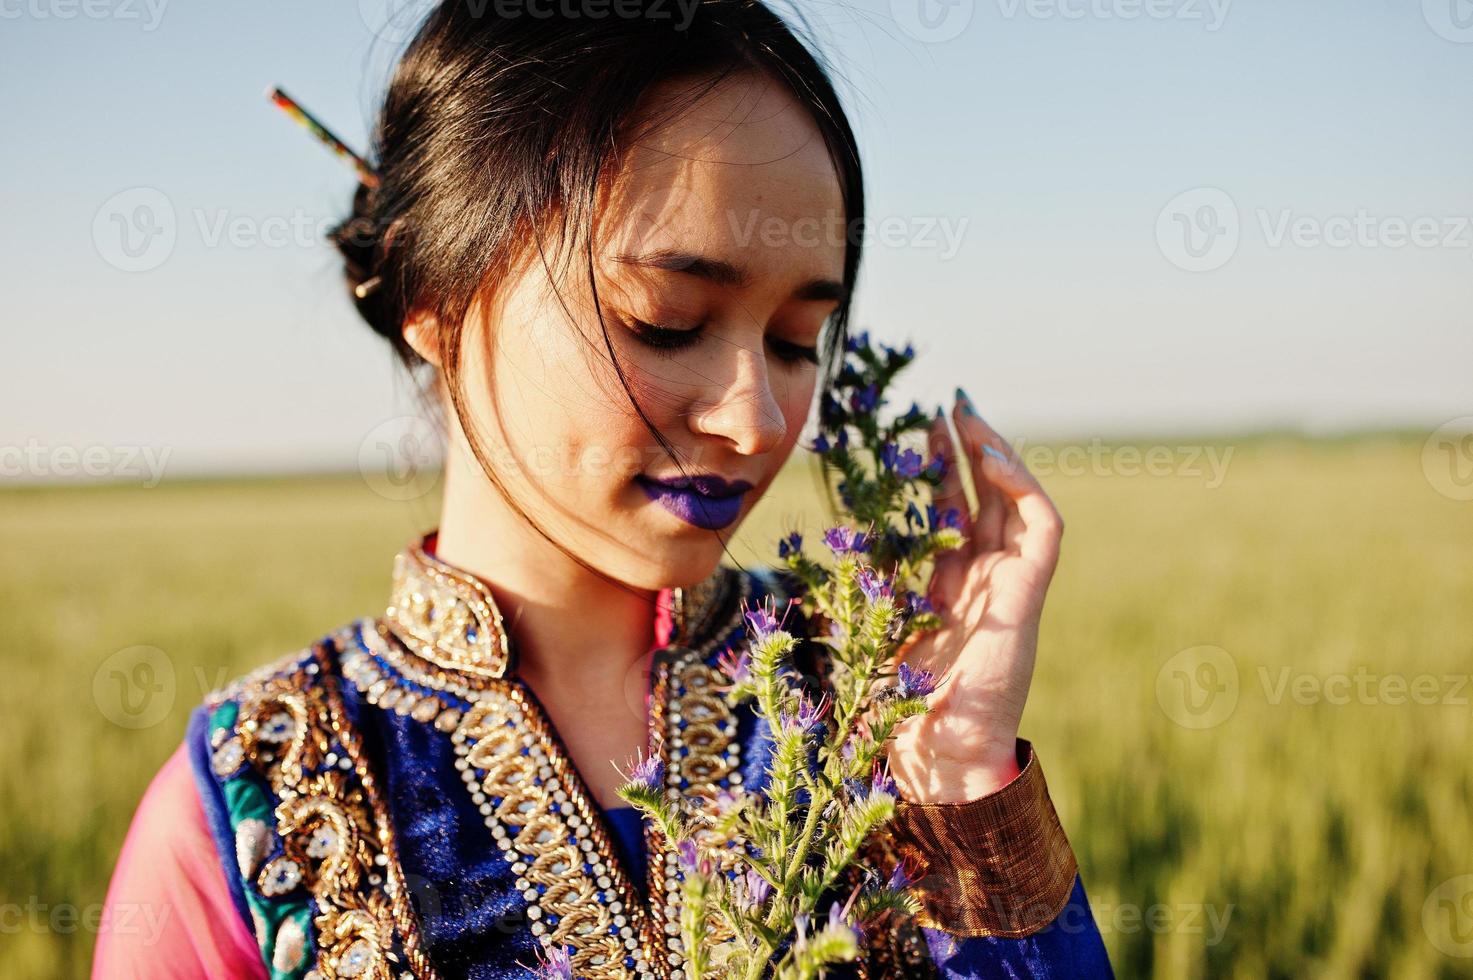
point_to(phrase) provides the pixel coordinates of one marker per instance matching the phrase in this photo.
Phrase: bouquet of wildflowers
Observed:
(757, 866)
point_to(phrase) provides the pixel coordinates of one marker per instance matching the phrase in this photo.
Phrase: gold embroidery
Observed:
(547, 829)
(450, 612)
(335, 833)
(535, 805)
(453, 617)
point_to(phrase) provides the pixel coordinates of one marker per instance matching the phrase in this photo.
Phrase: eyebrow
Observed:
(724, 273)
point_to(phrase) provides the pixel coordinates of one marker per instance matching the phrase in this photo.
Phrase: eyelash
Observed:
(666, 341)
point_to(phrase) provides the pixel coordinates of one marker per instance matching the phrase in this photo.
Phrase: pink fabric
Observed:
(169, 912)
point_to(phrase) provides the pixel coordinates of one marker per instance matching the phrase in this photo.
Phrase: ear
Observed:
(422, 332)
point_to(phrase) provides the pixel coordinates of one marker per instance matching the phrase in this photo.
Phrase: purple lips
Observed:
(707, 500)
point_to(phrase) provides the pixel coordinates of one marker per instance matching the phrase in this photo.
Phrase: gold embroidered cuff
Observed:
(995, 866)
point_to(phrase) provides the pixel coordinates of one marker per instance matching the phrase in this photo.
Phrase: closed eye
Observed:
(789, 351)
(667, 340)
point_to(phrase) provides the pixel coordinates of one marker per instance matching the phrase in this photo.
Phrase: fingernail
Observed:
(966, 403)
(994, 454)
(939, 413)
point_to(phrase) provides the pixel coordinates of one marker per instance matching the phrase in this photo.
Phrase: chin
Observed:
(678, 564)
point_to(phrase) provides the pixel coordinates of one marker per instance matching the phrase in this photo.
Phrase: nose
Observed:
(744, 412)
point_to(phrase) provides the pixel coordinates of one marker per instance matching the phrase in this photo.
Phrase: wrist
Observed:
(959, 780)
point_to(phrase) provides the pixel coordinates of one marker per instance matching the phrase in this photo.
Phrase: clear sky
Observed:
(1102, 217)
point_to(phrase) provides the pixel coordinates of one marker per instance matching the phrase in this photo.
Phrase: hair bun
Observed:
(358, 239)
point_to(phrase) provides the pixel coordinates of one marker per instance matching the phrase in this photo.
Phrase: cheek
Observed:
(795, 395)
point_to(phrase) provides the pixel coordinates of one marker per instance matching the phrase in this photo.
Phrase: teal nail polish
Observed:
(939, 413)
(966, 403)
(994, 454)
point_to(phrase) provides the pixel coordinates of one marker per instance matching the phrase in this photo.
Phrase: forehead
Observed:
(742, 173)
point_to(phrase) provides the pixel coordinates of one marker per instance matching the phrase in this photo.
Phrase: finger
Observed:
(951, 492)
(991, 505)
(1000, 465)
(950, 566)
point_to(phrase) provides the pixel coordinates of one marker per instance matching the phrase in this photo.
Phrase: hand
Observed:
(989, 594)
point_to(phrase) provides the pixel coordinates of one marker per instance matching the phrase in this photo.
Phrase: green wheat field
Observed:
(1252, 699)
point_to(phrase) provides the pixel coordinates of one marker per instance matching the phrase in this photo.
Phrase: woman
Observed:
(428, 791)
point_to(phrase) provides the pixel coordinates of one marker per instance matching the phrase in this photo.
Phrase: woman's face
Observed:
(724, 230)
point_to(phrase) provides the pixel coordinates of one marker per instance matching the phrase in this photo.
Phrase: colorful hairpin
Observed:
(324, 135)
(366, 176)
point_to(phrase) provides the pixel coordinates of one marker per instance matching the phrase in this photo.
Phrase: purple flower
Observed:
(841, 539)
(887, 455)
(854, 344)
(736, 663)
(915, 604)
(691, 859)
(821, 444)
(843, 441)
(809, 717)
(873, 586)
(916, 682)
(790, 545)
(554, 963)
(648, 772)
(906, 463)
(900, 878)
(880, 781)
(951, 517)
(937, 469)
(866, 399)
(838, 922)
(762, 621)
(754, 892)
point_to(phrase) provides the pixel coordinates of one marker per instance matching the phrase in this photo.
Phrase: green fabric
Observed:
(248, 798)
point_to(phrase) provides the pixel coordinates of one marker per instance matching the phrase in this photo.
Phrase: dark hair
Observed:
(500, 123)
